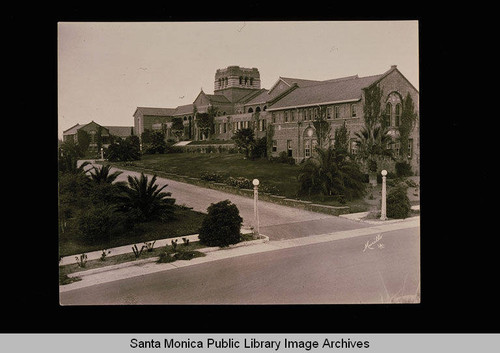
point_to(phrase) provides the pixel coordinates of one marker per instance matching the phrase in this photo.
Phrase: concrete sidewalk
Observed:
(147, 266)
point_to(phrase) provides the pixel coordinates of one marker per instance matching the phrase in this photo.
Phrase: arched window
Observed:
(246, 81)
(250, 110)
(398, 114)
(241, 80)
(226, 81)
(388, 112)
(251, 81)
(265, 107)
(257, 109)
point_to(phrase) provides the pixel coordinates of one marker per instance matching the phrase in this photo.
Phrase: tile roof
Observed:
(217, 98)
(335, 90)
(72, 130)
(184, 109)
(155, 111)
(119, 130)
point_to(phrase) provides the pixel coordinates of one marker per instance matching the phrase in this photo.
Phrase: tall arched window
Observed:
(241, 80)
(257, 109)
(251, 81)
(398, 114)
(388, 112)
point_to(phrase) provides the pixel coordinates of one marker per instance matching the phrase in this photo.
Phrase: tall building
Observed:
(286, 112)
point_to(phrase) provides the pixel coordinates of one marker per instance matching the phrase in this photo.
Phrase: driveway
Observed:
(276, 221)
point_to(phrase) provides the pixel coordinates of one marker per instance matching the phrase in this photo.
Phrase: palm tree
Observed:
(331, 172)
(144, 200)
(103, 176)
(372, 144)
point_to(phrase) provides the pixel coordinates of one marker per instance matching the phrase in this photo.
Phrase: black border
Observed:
(450, 295)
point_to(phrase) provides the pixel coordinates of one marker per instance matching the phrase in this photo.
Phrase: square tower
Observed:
(235, 82)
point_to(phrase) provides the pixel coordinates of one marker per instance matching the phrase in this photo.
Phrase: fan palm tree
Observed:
(372, 144)
(103, 175)
(331, 172)
(145, 200)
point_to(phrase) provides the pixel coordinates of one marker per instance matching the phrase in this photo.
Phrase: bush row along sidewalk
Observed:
(126, 249)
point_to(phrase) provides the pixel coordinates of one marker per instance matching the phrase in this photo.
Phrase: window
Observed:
(286, 116)
(307, 148)
(337, 112)
(273, 117)
(353, 110)
(292, 115)
(388, 112)
(275, 145)
(224, 129)
(289, 147)
(329, 112)
(354, 147)
(398, 114)
(410, 148)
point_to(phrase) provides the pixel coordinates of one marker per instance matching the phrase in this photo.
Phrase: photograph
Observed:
(239, 163)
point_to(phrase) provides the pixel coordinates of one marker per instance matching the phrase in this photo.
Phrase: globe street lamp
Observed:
(383, 213)
(255, 183)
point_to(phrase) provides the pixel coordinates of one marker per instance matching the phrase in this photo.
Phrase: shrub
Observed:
(283, 158)
(98, 223)
(213, 176)
(240, 182)
(403, 169)
(398, 204)
(221, 226)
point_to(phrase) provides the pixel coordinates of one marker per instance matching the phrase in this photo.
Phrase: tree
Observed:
(331, 172)
(144, 200)
(124, 150)
(372, 144)
(372, 108)
(177, 127)
(407, 123)
(205, 121)
(158, 143)
(245, 140)
(341, 138)
(103, 175)
(221, 226)
(83, 138)
(322, 127)
(68, 155)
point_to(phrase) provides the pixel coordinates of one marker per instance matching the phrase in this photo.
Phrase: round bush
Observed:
(221, 226)
(398, 204)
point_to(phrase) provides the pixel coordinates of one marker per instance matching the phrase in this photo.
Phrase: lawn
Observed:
(272, 174)
(187, 222)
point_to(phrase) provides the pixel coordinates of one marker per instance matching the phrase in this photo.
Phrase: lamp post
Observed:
(255, 183)
(383, 212)
(102, 153)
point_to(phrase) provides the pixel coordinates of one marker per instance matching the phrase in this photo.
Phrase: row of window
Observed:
(304, 114)
(223, 128)
(243, 80)
(310, 145)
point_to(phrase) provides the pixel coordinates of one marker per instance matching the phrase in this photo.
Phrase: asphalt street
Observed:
(344, 271)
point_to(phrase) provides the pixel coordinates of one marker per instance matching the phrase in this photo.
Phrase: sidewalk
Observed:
(147, 266)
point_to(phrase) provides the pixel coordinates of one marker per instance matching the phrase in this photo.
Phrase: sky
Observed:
(108, 69)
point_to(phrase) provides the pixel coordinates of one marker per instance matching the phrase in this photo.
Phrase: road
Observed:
(276, 221)
(334, 272)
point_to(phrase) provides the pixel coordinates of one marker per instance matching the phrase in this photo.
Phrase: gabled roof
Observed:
(184, 109)
(119, 130)
(256, 97)
(72, 130)
(329, 91)
(154, 111)
(217, 98)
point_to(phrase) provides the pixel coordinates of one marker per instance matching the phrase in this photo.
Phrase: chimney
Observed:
(394, 66)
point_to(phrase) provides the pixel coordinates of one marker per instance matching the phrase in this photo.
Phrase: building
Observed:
(285, 113)
(107, 133)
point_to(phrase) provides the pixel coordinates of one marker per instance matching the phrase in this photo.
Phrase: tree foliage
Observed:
(244, 140)
(222, 225)
(322, 127)
(407, 123)
(144, 200)
(124, 150)
(331, 172)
